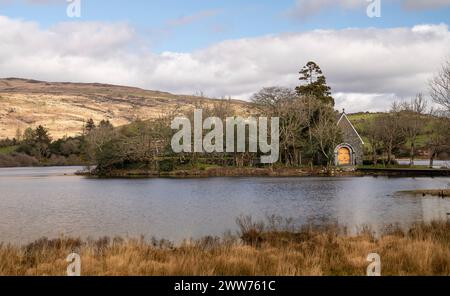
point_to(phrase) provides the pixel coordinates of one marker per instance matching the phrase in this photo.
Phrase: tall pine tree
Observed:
(314, 84)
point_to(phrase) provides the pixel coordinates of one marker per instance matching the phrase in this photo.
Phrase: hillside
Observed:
(64, 107)
(360, 119)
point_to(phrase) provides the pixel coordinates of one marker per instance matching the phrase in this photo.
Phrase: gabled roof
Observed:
(344, 116)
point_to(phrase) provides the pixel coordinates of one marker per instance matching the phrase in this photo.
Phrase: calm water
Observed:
(36, 202)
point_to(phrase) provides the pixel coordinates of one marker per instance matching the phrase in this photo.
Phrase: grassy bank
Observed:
(259, 250)
(268, 172)
(224, 172)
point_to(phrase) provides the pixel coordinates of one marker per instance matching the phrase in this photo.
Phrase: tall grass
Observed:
(271, 248)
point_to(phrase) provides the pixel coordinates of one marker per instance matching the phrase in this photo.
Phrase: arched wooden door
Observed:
(344, 156)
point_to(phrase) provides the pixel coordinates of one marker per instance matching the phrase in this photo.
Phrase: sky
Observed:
(230, 48)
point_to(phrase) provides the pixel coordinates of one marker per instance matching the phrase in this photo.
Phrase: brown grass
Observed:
(260, 250)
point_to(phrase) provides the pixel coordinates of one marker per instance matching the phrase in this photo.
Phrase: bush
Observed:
(17, 160)
(166, 165)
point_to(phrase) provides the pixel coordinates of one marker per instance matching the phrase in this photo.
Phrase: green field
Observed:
(359, 119)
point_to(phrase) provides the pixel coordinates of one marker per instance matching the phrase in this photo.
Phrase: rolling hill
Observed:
(64, 107)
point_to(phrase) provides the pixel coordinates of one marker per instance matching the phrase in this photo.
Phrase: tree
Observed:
(440, 87)
(96, 142)
(42, 141)
(412, 122)
(326, 132)
(308, 127)
(269, 99)
(292, 111)
(28, 135)
(439, 138)
(374, 133)
(18, 135)
(42, 135)
(314, 84)
(36, 142)
(89, 126)
(392, 134)
(105, 124)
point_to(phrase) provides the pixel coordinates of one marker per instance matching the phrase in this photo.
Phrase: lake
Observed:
(37, 202)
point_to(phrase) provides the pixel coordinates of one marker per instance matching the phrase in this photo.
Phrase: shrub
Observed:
(166, 165)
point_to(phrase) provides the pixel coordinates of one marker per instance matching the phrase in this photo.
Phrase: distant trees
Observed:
(67, 147)
(392, 135)
(36, 142)
(141, 143)
(89, 126)
(373, 132)
(385, 134)
(438, 140)
(19, 135)
(403, 127)
(105, 124)
(413, 122)
(101, 145)
(35, 146)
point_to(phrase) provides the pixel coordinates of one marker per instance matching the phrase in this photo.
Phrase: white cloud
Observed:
(356, 102)
(365, 67)
(192, 18)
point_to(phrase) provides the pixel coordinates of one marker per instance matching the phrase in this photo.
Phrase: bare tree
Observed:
(293, 119)
(292, 110)
(326, 132)
(392, 134)
(440, 87)
(374, 134)
(269, 99)
(413, 122)
(438, 137)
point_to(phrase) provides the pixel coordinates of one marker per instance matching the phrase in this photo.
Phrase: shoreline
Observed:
(223, 172)
(269, 172)
(443, 193)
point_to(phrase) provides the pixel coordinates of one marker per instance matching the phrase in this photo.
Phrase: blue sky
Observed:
(186, 25)
(230, 48)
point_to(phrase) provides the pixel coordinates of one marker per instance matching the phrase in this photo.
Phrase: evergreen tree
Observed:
(314, 84)
(42, 135)
(105, 124)
(90, 126)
